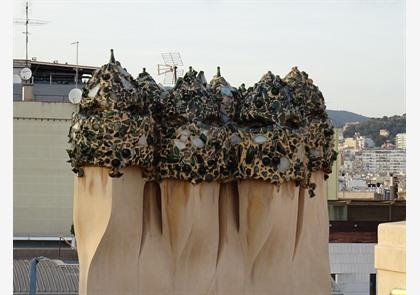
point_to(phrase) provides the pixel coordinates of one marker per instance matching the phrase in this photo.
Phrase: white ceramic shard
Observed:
(76, 126)
(196, 141)
(92, 93)
(185, 132)
(179, 144)
(143, 140)
(235, 139)
(183, 138)
(260, 139)
(284, 164)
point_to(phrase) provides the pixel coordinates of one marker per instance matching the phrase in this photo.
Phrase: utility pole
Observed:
(77, 61)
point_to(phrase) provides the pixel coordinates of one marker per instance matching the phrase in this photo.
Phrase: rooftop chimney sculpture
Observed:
(205, 188)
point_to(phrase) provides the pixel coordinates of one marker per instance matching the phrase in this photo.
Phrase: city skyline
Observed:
(353, 50)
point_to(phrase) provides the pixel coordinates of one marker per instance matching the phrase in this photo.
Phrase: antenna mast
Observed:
(77, 61)
(26, 33)
(27, 21)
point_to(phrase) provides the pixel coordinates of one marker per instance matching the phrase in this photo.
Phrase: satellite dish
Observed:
(75, 95)
(26, 73)
(16, 79)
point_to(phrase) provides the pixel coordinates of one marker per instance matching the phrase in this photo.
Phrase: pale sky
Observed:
(353, 50)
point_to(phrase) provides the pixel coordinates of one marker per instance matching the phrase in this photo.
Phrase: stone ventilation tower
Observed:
(202, 189)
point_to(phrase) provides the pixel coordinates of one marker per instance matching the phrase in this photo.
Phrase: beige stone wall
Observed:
(390, 255)
(42, 180)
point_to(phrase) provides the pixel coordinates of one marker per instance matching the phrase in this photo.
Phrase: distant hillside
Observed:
(371, 127)
(339, 118)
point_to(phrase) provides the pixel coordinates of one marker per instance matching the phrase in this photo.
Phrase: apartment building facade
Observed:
(400, 141)
(383, 161)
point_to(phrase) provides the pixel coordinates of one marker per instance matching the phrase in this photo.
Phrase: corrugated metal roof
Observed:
(53, 277)
(56, 277)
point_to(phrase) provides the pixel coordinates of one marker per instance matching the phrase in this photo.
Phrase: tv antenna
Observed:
(170, 68)
(28, 21)
(76, 78)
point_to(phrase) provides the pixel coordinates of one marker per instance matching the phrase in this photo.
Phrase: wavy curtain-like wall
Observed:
(174, 237)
